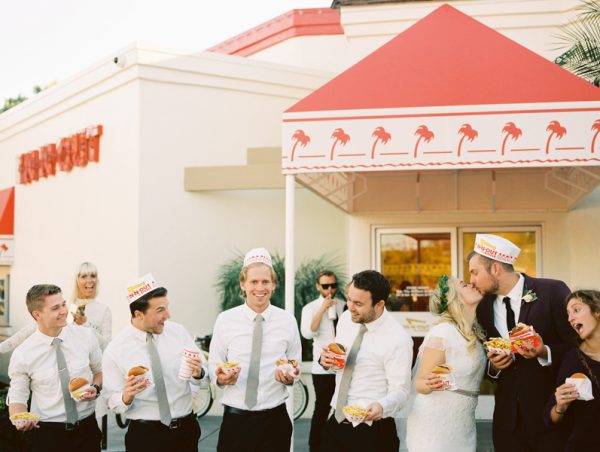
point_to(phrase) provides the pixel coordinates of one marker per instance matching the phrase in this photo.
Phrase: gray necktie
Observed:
(63, 375)
(347, 374)
(254, 369)
(159, 381)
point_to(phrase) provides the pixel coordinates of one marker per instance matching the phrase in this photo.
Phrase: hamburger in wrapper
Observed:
(583, 385)
(339, 355)
(289, 367)
(523, 334)
(78, 386)
(140, 372)
(444, 371)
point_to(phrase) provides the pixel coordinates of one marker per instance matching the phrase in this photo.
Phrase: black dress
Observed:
(581, 421)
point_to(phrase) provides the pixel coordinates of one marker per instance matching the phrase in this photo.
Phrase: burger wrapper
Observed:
(339, 362)
(449, 382)
(289, 370)
(526, 336)
(76, 395)
(583, 386)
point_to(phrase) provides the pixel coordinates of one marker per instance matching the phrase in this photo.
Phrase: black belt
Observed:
(256, 413)
(175, 423)
(68, 425)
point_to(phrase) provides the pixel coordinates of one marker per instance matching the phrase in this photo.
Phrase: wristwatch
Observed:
(98, 389)
(201, 374)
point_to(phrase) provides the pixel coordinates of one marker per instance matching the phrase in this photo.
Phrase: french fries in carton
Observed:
(289, 367)
(499, 346)
(523, 334)
(356, 414)
(20, 419)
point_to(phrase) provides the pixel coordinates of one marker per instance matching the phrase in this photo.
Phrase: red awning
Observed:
(7, 211)
(447, 93)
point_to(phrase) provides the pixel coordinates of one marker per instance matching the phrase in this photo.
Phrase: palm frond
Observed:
(582, 40)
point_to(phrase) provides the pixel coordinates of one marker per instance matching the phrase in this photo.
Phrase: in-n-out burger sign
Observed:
(77, 150)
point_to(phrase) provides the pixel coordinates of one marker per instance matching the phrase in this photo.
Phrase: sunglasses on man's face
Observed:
(327, 286)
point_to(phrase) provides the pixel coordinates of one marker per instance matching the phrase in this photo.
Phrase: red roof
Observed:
(448, 58)
(297, 22)
(7, 211)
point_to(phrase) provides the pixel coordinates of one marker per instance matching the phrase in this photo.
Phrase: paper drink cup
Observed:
(185, 371)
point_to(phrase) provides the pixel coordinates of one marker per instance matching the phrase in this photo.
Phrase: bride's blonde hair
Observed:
(447, 305)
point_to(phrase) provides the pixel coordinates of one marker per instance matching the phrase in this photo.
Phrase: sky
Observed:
(45, 41)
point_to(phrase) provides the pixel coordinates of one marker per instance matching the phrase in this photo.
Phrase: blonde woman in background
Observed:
(441, 419)
(95, 315)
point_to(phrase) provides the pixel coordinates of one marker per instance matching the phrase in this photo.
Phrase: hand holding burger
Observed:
(135, 382)
(565, 394)
(434, 379)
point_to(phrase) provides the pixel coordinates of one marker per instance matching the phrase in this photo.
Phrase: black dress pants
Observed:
(381, 436)
(54, 437)
(152, 436)
(324, 388)
(255, 431)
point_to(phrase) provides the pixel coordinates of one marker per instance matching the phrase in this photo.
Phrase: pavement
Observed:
(210, 434)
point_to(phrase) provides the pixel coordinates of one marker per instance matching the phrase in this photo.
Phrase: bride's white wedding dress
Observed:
(444, 421)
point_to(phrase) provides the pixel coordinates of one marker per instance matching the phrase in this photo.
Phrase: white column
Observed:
(290, 200)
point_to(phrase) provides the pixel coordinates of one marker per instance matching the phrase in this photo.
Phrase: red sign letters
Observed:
(77, 150)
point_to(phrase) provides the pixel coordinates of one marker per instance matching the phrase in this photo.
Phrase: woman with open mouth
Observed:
(570, 408)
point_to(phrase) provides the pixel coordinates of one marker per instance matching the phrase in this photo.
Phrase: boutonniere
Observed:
(529, 296)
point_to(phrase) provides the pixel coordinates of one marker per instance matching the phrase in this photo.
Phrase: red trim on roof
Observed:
(297, 22)
(448, 58)
(7, 211)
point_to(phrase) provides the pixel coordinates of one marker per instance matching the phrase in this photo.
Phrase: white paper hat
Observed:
(140, 287)
(258, 256)
(496, 248)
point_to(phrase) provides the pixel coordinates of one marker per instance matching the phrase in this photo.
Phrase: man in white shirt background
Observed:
(43, 364)
(376, 375)
(255, 335)
(318, 322)
(159, 402)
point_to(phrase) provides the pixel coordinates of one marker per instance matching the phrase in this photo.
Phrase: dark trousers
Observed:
(53, 437)
(155, 437)
(526, 437)
(324, 389)
(381, 436)
(255, 431)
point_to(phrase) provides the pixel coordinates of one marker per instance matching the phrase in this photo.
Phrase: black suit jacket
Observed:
(526, 381)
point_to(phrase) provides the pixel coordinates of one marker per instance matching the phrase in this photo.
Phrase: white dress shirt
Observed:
(128, 349)
(382, 368)
(325, 333)
(232, 341)
(33, 365)
(515, 295)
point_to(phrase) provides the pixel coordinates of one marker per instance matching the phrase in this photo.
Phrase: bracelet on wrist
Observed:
(559, 412)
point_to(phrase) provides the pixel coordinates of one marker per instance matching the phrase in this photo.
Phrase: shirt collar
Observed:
(373, 325)
(49, 339)
(516, 293)
(137, 333)
(251, 314)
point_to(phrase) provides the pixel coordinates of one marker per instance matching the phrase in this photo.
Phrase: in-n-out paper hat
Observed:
(496, 248)
(258, 256)
(140, 287)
